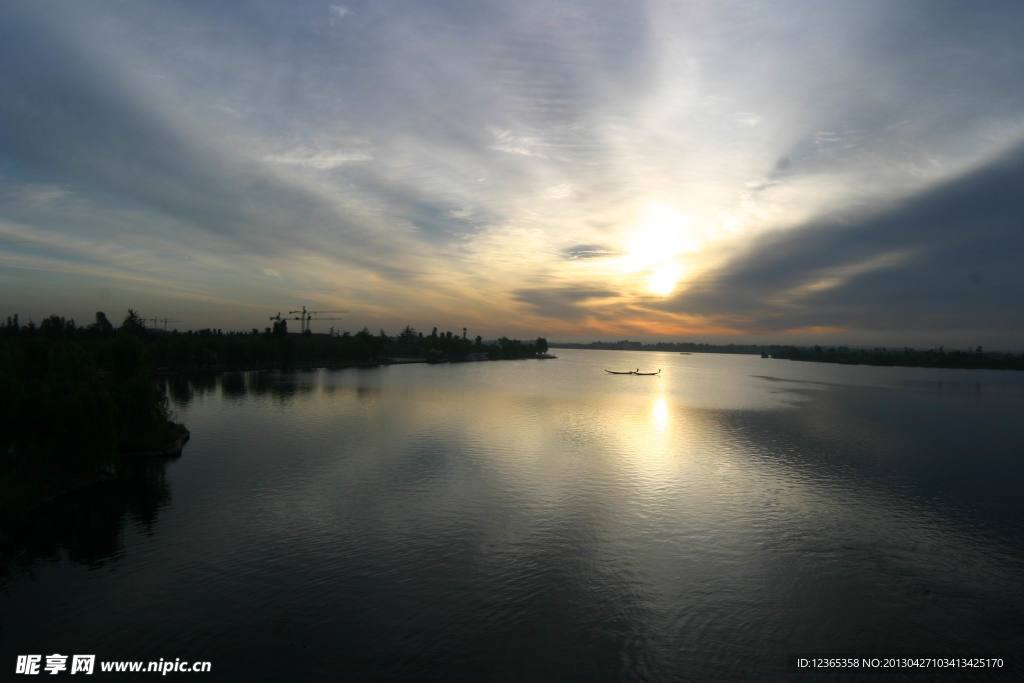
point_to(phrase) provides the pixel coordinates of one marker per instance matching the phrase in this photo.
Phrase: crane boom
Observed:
(305, 316)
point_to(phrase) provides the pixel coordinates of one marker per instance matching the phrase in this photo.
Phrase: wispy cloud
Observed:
(319, 160)
(588, 251)
(496, 162)
(523, 145)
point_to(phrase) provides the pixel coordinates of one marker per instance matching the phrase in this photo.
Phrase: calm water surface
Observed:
(543, 519)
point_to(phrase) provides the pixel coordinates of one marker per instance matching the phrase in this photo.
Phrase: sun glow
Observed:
(663, 281)
(654, 249)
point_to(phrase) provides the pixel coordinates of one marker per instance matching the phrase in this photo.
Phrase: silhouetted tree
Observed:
(11, 327)
(102, 326)
(55, 327)
(133, 324)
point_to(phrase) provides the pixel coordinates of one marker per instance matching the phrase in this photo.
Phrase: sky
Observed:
(791, 172)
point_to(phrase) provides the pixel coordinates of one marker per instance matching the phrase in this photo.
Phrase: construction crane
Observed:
(281, 318)
(155, 321)
(306, 316)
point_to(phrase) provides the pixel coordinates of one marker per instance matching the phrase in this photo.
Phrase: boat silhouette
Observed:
(633, 372)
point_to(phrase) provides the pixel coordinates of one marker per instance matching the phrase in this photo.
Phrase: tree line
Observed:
(73, 400)
(939, 357)
(272, 347)
(77, 393)
(276, 347)
(680, 347)
(976, 358)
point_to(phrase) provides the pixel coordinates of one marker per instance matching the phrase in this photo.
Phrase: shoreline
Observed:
(165, 372)
(889, 359)
(177, 438)
(52, 493)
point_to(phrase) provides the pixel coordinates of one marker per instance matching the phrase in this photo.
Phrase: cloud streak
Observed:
(945, 260)
(494, 163)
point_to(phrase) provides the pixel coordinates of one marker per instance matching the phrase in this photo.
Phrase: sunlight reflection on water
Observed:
(548, 519)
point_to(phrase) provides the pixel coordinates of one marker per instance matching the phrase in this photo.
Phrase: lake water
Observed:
(546, 520)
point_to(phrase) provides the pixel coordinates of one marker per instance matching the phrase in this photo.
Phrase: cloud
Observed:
(420, 164)
(36, 195)
(103, 142)
(93, 130)
(945, 261)
(588, 251)
(561, 191)
(563, 303)
(319, 160)
(746, 118)
(523, 145)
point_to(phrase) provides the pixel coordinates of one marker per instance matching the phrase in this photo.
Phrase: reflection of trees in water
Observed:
(365, 393)
(261, 383)
(87, 526)
(183, 389)
(339, 380)
(282, 385)
(180, 391)
(369, 384)
(145, 491)
(364, 382)
(203, 384)
(232, 385)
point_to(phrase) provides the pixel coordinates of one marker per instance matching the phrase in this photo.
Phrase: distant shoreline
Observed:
(840, 355)
(325, 365)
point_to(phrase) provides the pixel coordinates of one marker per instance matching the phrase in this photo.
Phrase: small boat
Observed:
(634, 372)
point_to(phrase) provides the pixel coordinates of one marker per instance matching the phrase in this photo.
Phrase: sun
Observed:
(657, 239)
(654, 249)
(663, 281)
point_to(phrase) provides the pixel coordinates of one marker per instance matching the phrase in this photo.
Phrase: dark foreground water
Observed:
(546, 520)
